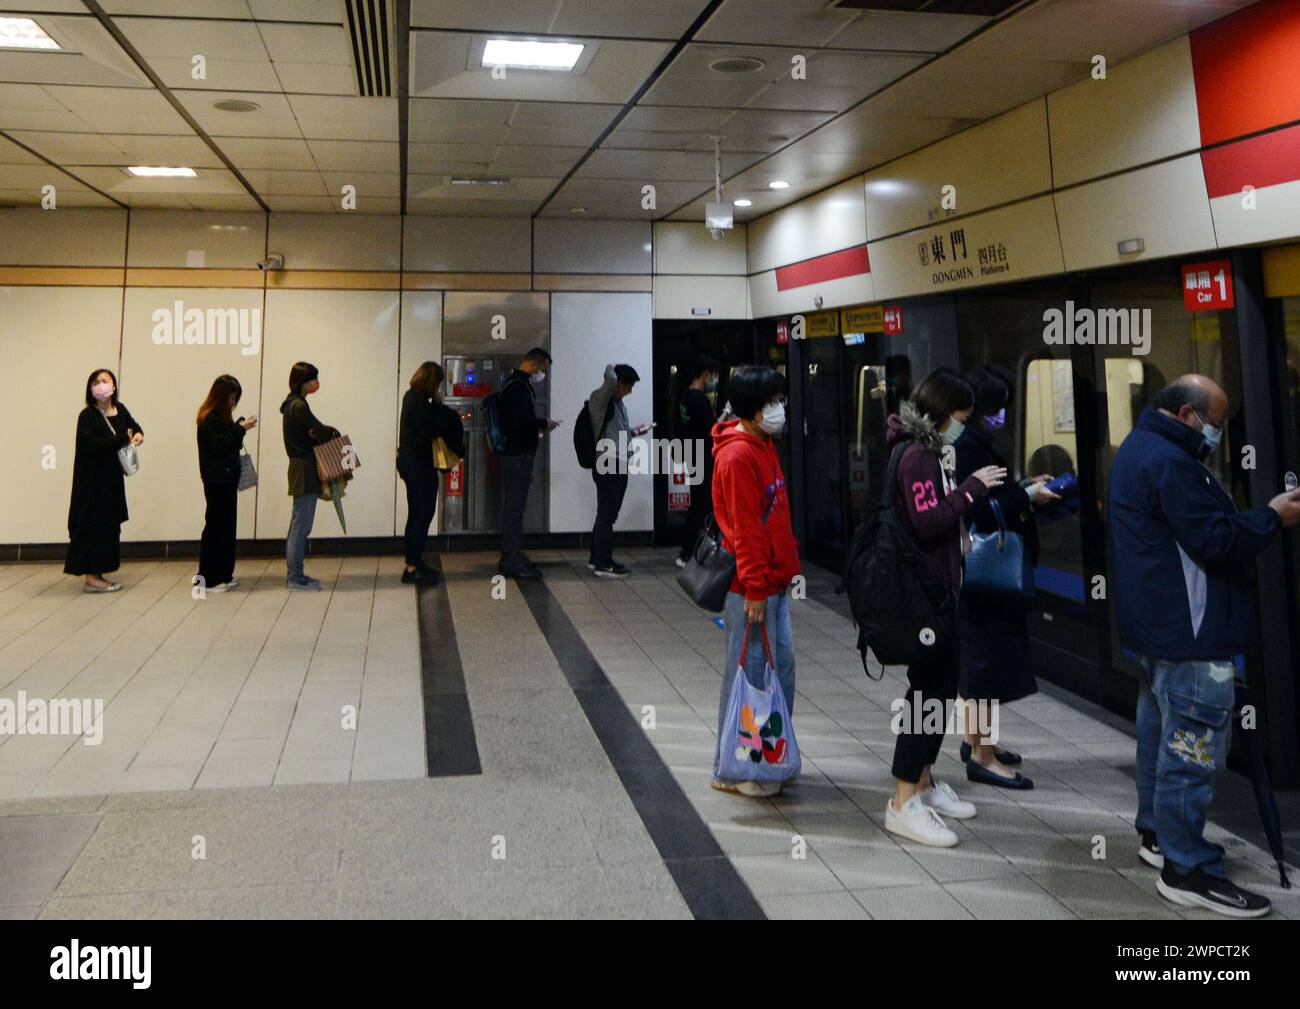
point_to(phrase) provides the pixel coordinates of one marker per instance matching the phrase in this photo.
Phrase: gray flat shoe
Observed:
(110, 587)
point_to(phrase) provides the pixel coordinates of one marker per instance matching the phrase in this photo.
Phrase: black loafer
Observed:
(1005, 757)
(981, 775)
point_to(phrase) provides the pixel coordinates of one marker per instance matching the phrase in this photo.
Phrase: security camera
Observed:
(272, 262)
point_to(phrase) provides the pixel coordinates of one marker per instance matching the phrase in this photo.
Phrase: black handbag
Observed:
(707, 575)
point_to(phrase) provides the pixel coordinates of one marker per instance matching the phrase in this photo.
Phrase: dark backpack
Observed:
(491, 408)
(584, 437)
(903, 614)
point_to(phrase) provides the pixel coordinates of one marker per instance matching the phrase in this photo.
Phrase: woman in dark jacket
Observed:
(423, 419)
(995, 666)
(220, 438)
(696, 426)
(927, 497)
(302, 433)
(98, 506)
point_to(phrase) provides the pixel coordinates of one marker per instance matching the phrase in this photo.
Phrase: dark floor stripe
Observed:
(708, 882)
(450, 745)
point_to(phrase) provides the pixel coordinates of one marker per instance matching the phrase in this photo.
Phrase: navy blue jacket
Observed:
(1179, 548)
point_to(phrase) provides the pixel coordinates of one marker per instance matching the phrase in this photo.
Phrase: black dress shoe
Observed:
(418, 577)
(1005, 757)
(523, 574)
(980, 774)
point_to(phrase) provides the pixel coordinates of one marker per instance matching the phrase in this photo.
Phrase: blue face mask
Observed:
(1212, 436)
(953, 431)
(995, 421)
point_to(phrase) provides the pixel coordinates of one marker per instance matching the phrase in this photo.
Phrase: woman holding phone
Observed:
(220, 439)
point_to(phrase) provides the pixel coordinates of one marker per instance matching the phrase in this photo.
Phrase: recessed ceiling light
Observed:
(149, 171)
(526, 54)
(744, 203)
(737, 65)
(479, 180)
(577, 211)
(235, 105)
(24, 33)
(778, 184)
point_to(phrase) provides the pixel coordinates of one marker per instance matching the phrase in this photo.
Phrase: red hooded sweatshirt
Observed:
(747, 485)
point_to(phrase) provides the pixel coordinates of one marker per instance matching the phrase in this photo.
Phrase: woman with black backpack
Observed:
(928, 499)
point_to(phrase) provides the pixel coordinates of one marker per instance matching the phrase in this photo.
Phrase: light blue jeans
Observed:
(1184, 725)
(780, 635)
(295, 544)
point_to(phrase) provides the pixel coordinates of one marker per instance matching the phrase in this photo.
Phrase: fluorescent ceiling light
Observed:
(24, 33)
(149, 171)
(778, 185)
(744, 203)
(525, 54)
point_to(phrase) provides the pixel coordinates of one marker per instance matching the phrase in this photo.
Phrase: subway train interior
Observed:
(1094, 197)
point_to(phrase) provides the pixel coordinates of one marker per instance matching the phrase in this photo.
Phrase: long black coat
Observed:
(995, 662)
(98, 506)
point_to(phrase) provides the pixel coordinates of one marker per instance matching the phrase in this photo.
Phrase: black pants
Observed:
(421, 481)
(610, 488)
(932, 682)
(699, 512)
(217, 548)
(516, 478)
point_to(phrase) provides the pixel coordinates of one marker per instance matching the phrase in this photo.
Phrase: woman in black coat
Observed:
(424, 418)
(995, 664)
(220, 437)
(98, 506)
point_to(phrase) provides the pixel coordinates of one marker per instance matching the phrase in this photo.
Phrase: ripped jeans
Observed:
(1184, 725)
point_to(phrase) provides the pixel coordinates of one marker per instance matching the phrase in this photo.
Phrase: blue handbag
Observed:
(998, 564)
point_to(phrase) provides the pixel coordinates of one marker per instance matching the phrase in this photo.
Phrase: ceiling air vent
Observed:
(372, 30)
(982, 8)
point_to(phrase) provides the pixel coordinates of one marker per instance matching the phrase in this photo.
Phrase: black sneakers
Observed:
(615, 570)
(1149, 850)
(1215, 893)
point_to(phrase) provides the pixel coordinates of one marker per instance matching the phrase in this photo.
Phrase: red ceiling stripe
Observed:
(1266, 160)
(1245, 67)
(847, 263)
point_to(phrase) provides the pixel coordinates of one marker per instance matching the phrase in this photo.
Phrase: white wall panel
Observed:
(351, 336)
(589, 331)
(421, 341)
(680, 297)
(1144, 110)
(825, 222)
(33, 237)
(467, 244)
(688, 248)
(1165, 205)
(337, 241)
(163, 385)
(767, 301)
(592, 246)
(987, 165)
(43, 396)
(1276, 216)
(178, 238)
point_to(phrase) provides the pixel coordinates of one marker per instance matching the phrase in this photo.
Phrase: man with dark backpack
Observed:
(611, 431)
(520, 432)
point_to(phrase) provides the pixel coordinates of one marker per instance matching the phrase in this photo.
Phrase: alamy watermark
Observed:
(637, 456)
(180, 326)
(934, 716)
(1117, 327)
(57, 716)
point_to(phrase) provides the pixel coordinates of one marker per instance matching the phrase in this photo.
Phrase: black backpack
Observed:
(902, 612)
(584, 438)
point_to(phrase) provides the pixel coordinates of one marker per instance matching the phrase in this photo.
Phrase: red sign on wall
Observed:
(893, 320)
(1207, 287)
(782, 333)
(456, 480)
(466, 389)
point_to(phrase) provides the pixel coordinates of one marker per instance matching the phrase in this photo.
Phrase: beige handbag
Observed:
(443, 457)
(335, 460)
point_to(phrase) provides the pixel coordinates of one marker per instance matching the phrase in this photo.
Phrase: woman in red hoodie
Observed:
(927, 497)
(752, 509)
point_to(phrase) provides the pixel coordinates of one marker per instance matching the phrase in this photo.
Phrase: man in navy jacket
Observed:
(1183, 606)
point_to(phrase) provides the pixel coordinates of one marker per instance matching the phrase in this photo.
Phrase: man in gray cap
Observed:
(613, 431)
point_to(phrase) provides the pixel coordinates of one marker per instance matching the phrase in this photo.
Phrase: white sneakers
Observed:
(919, 819)
(943, 800)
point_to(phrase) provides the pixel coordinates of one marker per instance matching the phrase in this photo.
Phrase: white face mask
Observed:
(773, 421)
(537, 377)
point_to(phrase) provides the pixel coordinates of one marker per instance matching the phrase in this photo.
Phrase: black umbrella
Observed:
(1264, 797)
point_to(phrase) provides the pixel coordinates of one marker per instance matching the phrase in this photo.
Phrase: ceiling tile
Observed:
(299, 43)
(354, 156)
